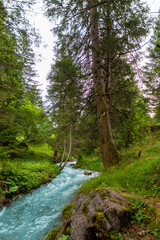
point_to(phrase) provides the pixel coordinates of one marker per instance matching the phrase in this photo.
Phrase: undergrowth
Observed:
(27, 172)
(138, 174)
(145, 222)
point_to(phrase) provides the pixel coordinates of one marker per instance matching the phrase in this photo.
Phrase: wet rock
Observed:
(95, 215)
(2, 201)
(87, 173)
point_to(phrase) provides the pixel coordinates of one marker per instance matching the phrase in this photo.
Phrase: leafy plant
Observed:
(140, 214)
(120, 236)
(65, 237)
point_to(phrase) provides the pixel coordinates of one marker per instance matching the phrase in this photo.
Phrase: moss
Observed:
(126, 195)
(99, 210)
(53, 234)
(103, 193)
(158, 217)
(77, 166)
(87, 173)
(110, 235)
(128, 207)
(85, 208)
(67, 210)
(116, 189)
(114, 201)
(68, 230)
(97, 219)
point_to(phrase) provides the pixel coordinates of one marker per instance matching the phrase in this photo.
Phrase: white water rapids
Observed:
(33, 215)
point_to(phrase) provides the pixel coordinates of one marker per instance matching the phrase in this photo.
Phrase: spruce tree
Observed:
(152, 71)
(98, 34)
(65, 95)
(16, 71)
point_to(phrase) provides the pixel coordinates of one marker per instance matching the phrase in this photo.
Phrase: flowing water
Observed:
(33, 215)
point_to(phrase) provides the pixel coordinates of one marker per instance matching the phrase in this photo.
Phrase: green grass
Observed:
(91, 163)
(138, 175)
(29, 171)
(138, 178)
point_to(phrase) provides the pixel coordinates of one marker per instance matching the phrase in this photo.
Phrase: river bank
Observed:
(23, 174)
(137, 179)
(34, 214)
(13, 194)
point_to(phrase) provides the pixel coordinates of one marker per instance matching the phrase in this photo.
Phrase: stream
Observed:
(34, 214)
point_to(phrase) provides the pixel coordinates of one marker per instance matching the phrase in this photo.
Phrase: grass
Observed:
(139, 180)
(140, 175)
(90, 163)
(29, 171)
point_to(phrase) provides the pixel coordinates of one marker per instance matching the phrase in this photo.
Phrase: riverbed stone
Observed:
(96, 214)
(87, 173)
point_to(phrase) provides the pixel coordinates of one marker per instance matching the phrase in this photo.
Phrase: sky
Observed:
(46, 48)
(43, 62)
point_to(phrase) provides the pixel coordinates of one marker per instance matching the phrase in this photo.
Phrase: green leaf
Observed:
(120, 236)
(13, 189)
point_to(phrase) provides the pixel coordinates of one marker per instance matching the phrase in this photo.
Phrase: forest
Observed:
(102, 107)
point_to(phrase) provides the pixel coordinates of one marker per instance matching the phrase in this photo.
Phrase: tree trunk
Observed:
(70, 148)
(60, 156)
(64, 151)
(56, 149)
(107, 147)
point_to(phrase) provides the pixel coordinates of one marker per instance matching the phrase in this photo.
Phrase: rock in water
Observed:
(2, 201)
(87, 173)
(96, 214)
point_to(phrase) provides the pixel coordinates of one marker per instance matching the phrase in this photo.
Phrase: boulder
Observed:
(96, 214)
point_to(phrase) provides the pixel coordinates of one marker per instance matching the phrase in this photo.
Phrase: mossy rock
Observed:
(67, 210)
(87, 173)
(77, 166)
(85, 208)
(103, 192)
(97, 219)
(100, 211)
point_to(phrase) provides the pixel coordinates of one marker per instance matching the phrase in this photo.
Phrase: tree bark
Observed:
(70, 148)
(108, 150)
(56, 149)
(64, 151)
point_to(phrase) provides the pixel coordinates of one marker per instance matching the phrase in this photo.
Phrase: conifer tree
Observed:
(152, 71)
(16, 71)
(98, 34)
(65, 95)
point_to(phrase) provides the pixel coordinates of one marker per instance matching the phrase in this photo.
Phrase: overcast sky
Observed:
(44, 26)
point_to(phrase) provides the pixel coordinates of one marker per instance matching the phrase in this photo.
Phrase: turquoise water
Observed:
(33, 215)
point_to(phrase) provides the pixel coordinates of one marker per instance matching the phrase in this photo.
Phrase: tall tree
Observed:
(65, 95)
(16, 70)
(10, 80)
(97, 34)
(152, 71)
